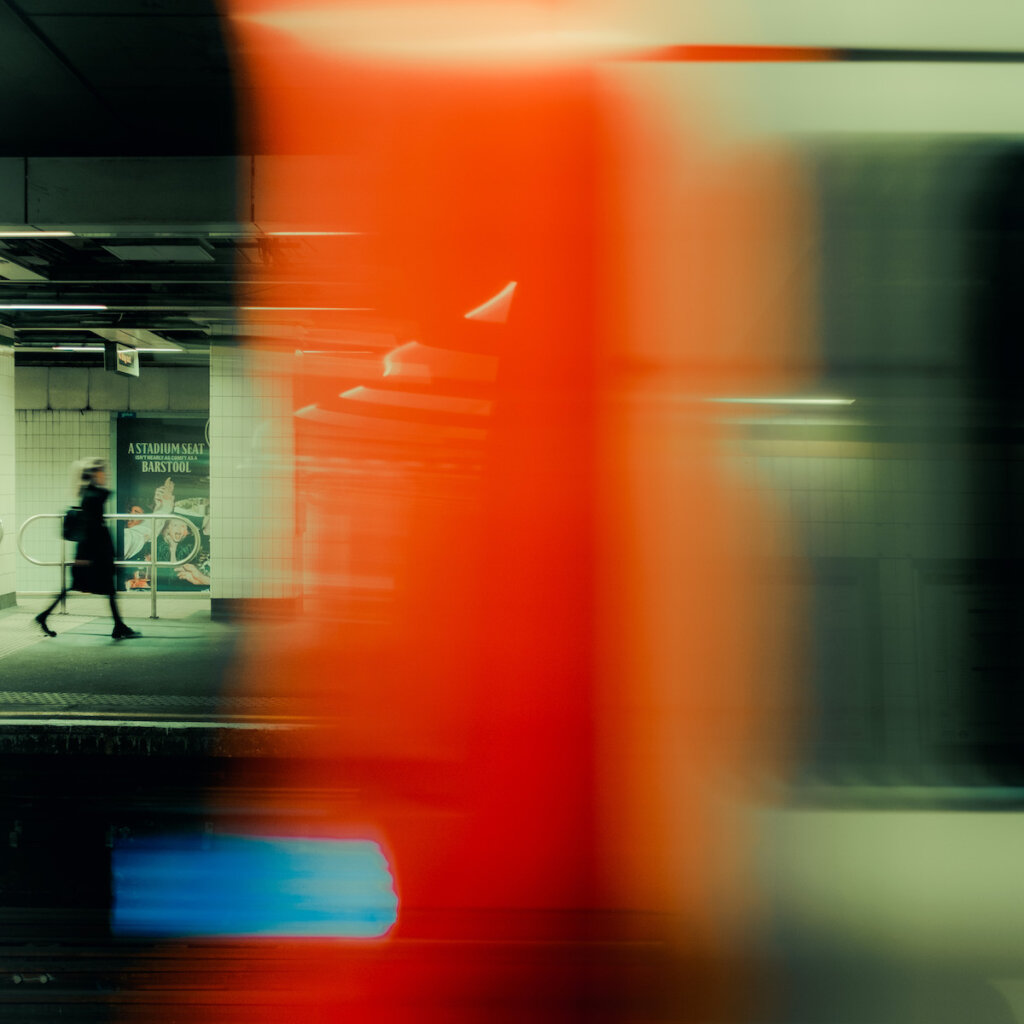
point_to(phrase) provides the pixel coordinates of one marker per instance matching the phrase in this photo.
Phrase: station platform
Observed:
(170, 688)
(101, 740)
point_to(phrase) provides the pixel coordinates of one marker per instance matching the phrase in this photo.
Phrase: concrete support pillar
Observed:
(252, 470)
(7, 548)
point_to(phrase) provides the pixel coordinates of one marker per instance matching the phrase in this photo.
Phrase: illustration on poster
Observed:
(163, 467)
(173, 539)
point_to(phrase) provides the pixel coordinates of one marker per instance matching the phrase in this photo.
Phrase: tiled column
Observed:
(7, 548)
(46, 442)
(251, 482)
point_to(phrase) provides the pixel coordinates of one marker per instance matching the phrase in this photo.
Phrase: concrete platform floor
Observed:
(177, 669)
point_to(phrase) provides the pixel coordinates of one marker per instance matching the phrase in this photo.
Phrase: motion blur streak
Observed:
(709, 294)
(530, 636)
(243, 886)
(443, 34)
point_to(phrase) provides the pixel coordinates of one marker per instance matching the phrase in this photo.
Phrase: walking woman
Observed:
(93, 569)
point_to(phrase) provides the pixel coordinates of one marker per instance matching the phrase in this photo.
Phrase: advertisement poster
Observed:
(163, 466)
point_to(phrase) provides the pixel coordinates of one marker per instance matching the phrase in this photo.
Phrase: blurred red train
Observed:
(528, 626)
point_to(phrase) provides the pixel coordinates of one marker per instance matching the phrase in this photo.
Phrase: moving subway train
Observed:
(639, 500)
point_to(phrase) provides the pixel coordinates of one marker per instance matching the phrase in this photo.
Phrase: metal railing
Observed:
(154, 517)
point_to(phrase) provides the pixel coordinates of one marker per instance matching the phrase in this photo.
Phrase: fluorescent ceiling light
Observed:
(99, 348)
(37, 234)
(785, 401)
(56, 306)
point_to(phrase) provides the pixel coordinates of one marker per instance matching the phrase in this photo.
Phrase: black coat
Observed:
(96, 546)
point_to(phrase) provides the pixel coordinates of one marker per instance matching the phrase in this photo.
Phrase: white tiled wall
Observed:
(251, 474)
(158, 389)
(7, 514)
(46, 442)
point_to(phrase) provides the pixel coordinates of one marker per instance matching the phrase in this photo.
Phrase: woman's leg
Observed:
(41, 617)
(122, 631)
(115, 612)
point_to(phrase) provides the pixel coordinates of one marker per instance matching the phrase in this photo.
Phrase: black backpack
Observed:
(74, 525)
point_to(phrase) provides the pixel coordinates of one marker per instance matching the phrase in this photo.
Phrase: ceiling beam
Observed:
(136, 338)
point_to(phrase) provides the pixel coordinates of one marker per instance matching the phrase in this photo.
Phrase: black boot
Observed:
(41, 619)
(122, 631)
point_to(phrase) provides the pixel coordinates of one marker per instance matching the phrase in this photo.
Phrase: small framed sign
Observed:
(120, 358)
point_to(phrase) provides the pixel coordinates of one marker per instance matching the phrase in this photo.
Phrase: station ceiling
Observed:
(114, 78)
(120, 182)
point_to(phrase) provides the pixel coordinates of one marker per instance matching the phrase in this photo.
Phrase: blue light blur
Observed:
(220, 885)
